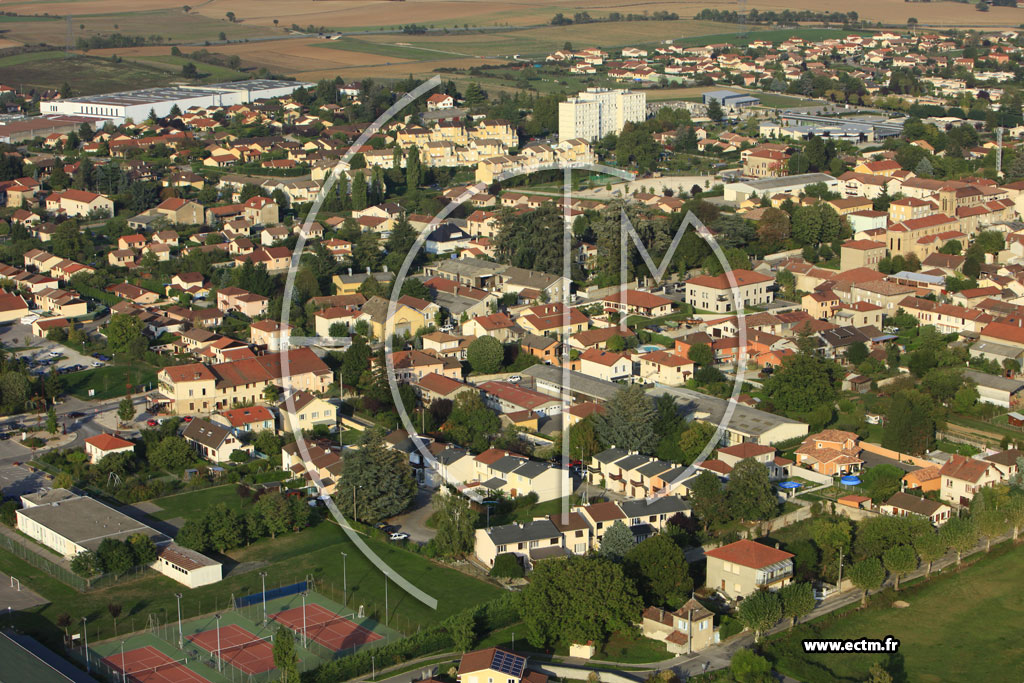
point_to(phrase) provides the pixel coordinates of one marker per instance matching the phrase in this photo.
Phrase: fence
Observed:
(62, 573)
(39, 561)
(278, 592)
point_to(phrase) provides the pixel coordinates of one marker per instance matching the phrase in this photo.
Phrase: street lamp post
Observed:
(385, 598)
(218, 644)
(181, 636)
(303, 620)
(124, 674)
(85, 631)
(263, 577)
(344, 575)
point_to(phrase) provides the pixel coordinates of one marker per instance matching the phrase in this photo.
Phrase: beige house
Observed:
(496, 666)
(100, 446)
(79, 203)
(860, 254)
(689, 629)
(199, 388)
(715, 293)
(215, 442)
(902, 504)
(529, 541)
(179, 211)
(406, 319)
(304, 411)
(665, 368)
(269, 334)
(605, 365)
(238, 299)
(741, 568)
(962, 477)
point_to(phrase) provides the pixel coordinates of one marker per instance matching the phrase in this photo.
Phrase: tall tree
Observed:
(456, 525)
(867, 575)
(760, 611)
(910, 423)
(658, 565)
(578, 599)
(471, 423)
(286, 658)
(617, 540)
(628, 422)
(485, 354)
(797, 600)
(899, 559)
(378, 481)
(749, 491)
(126, 410)
(804, 382)
(930, 547)
(708, 498)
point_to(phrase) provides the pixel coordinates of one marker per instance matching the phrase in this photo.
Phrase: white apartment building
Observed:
(594, 113)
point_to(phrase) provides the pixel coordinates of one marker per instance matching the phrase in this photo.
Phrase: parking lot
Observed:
(44, 354)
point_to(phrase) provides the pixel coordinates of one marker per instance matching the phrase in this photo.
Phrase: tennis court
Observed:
(330, 629)
(238, 647)
(149, 665)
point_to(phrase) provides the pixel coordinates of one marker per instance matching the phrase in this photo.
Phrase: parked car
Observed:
(74, 414)
(515, 378)
(399, 536)
(187, 418)
(151, 422)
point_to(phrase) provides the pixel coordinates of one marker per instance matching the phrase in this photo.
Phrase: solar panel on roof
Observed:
(508, 663)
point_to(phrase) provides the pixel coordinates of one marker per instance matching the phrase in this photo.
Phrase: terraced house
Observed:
(201, 388)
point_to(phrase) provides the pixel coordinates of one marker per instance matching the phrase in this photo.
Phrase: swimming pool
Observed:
(647, 348)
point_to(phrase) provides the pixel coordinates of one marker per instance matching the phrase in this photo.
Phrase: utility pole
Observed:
(999, 151)
(344, 575)
(181, 637)
(67, 41)
(85, 632)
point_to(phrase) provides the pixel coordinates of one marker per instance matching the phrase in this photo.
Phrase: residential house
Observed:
(739, 569)
(100, 446)
(902, 504)
(832, 452)
(304, 411)
(215, 442)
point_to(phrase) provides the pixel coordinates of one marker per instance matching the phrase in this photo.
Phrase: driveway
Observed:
(414, 520)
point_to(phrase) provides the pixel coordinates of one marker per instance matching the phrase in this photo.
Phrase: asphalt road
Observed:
(98, 418)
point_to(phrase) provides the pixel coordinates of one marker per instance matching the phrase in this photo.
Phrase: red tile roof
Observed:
(749, 554)
(108, 442)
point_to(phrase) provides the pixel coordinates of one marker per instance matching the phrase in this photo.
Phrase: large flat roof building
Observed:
(737, 192)
(70, 524)
(136, 104)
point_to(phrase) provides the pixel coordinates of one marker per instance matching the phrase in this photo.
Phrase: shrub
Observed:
(506, 566)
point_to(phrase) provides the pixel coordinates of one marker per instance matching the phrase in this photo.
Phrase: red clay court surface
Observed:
(243, 650)
(138, 664)
(339, 634)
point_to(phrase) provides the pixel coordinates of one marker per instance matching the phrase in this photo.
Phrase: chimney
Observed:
(367, 270)
(349, 271)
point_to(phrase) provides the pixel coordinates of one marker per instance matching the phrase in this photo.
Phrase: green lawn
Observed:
(961, 626)
(87, 75)
(109, 381)
(187, 504)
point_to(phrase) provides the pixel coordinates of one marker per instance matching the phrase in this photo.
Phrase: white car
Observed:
(399, 536)
(97, 364)
(515, 378)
